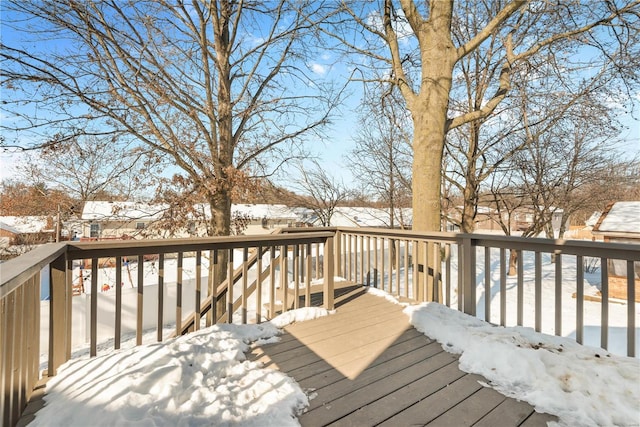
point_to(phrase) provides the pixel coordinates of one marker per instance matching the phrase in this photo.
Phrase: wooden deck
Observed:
(366, 365)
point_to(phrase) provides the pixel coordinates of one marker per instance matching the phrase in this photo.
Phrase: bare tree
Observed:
(90, 168)
(381, 159)
(223, 88)
(414, 41)
(319, 192)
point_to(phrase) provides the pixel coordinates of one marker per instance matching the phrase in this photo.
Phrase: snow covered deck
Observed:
(366, 365)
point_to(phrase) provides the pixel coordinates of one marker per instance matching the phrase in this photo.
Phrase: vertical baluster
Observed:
(20, 344)
(361, 241)
(604, 305)
(140, 300)
(93, 334)
(9, 315)
(461, 274)
(284, 277)
(307, 291)
(392, 249)
(631, 311)
(272, 282)
(317, 257)
(520, 286)
(447, 256)
(414, 268)
(259, 285)
(118, 319)
(487, 283)
(375, 261)
(216, 310)
(296, 276)
(210, 319)
(538, 291)
(160, 296)
(230, 287)
(198, 296)
(396, 258)
(382, 263)
(245, 279)
(425, 275)
(179, 294)
(437, 296)
(350, 259)
(344, 255)
(406, 269)
(503, 287)
(368, 261)
(579, 299)
(558, 293)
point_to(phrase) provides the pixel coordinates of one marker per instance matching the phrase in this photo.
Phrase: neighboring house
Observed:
(20, 230)
(487, 219)
(524, 217)
(8, 235)
(263, 218)
(620, 223)
(357, 217)
(116, 220)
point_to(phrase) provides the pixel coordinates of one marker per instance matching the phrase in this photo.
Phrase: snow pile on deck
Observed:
(582, 385)
(197, 379)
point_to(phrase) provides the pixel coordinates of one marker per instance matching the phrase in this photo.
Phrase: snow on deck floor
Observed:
(204, 379)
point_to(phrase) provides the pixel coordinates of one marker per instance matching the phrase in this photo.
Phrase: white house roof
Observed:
(9, 228)
(128, 211)
(622, 217)
(257, 211)
(343, 216)
(367, 217)
(24, 224)
(118, 211)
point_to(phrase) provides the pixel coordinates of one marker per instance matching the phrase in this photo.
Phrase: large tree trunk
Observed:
(429, 114)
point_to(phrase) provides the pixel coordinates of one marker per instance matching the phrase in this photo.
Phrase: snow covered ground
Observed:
(197, 379)
(204, 379)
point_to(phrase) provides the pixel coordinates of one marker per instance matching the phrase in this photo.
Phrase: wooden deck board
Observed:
(366, 365)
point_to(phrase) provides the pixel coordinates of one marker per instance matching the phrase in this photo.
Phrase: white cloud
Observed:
(318, 68)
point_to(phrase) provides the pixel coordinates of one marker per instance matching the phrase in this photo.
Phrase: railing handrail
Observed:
(15, 271)
(80, 250)
(615, 250)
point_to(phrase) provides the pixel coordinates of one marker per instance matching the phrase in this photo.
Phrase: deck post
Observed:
(59, 315)
(328, 273)
(468, 276)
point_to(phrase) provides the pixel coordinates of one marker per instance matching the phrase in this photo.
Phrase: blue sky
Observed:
(339, 140)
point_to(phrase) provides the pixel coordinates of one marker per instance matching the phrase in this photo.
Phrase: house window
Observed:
(95, 230)
(139, 225)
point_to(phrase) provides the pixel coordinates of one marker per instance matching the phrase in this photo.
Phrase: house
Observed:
(21, 230)
(359, 217)
(117, 220)
(263, 218)
(620, 223)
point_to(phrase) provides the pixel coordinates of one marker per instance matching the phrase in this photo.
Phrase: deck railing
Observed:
(182, 286)
(278, 267)
(464, 264)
